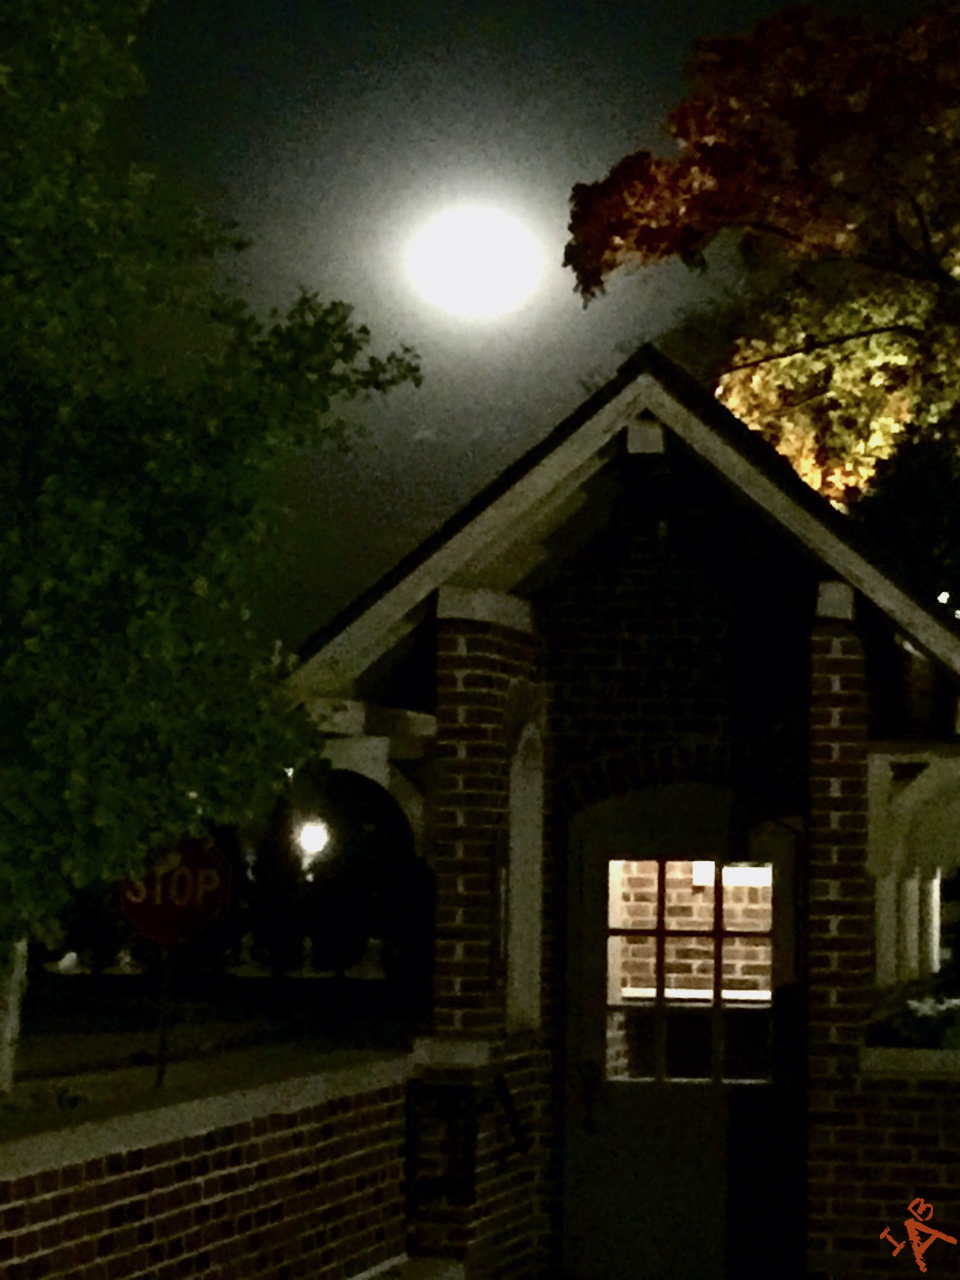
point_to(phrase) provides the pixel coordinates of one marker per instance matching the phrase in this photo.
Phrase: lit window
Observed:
(688, 984)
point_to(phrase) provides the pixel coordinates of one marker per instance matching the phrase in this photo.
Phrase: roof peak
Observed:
(500, 521)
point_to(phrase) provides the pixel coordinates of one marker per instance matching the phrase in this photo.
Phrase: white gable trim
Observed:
(332, 670)
(767, 494)
(524, 506)
(485, 606)
(526, 529)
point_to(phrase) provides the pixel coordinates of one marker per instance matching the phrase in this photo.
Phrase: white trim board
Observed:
(350, 652)
(131, 1132)
(550, 487)
(848, 563)
(404, 1267)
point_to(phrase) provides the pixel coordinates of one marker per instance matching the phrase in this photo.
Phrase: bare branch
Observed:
(818, 394)
(900, 241)
(934, 275)
(929, 272)
(829, 342)
(922, 223)
(770, 229)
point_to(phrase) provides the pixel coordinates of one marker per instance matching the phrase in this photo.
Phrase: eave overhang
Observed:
(542, 486)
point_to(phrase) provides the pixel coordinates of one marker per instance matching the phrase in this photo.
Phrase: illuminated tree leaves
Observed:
(833, 151)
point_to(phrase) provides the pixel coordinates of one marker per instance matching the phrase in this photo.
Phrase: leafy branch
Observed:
(807, 347)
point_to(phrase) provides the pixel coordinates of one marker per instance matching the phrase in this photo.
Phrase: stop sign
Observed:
(183, 894)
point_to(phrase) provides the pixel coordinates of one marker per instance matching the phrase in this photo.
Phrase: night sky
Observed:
(333, 131)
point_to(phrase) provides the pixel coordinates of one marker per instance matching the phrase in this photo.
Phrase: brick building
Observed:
(683, 763)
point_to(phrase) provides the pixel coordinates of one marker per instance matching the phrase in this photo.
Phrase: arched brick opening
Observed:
(596, 780)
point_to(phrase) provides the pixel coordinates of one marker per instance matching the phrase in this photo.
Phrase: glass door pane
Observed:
(688, 968)
(632, 1043)
(665, 938)
(748, 898)
(746, 1044)
(746, 968)
(690, 1044)
(633, 894)
(631, 968)
(688, 901)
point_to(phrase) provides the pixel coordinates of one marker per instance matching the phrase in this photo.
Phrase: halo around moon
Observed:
(475, 262)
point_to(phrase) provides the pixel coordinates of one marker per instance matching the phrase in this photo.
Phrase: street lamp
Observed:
(312, 838)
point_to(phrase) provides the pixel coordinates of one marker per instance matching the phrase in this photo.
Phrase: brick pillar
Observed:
(470, 1199)
(483, 646)
(841, 922)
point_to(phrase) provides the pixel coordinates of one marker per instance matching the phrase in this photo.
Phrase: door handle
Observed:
(591, 1078)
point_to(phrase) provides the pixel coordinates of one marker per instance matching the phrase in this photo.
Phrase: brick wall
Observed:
(476, 664)
(841, 954)
(632, 659)
(874, 1144)
(636, 690)
(320, 1191)
(500, 1229)
(634, 650)
(511, 1225)
(315, 1192)
(892, 1140)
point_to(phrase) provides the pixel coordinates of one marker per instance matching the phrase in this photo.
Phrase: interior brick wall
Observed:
(317, 1194)
(688, 962)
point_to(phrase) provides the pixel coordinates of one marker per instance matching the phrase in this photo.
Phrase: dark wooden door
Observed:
(675, 1148)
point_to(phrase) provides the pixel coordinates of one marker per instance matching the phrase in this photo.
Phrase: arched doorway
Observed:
(338, 870)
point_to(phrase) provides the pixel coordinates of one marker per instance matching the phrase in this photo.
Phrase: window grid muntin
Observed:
(717, 1002)
(719, 933)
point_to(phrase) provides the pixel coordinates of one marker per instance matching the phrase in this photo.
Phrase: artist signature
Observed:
(922, 1213)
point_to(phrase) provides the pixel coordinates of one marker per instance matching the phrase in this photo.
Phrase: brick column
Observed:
(841, 921)
(483, 646)
(473, 1190)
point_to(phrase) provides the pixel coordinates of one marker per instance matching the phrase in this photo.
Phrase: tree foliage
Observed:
(137, 702)
(93, 243)
(832, 150)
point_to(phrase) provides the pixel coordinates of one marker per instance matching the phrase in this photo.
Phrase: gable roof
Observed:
(494, 540)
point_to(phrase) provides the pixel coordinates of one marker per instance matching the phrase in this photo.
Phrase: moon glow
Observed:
(475, 262)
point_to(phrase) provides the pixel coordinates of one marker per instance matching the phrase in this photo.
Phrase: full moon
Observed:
(475, 262)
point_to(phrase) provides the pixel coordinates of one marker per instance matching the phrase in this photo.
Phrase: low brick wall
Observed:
(302, 1178)
(894, 1140)
(511, 1225)
(493, 1211)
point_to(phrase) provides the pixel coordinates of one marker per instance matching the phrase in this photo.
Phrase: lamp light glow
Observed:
(313, 837)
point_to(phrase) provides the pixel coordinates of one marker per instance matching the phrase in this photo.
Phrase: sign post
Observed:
(168, 960)
(182, 894)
